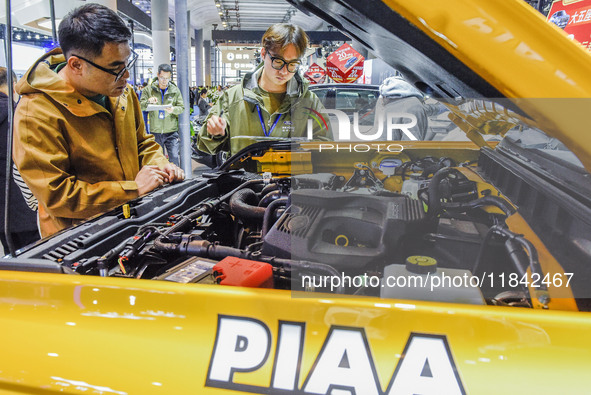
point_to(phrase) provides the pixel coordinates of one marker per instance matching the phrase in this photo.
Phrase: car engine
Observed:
(391, 228)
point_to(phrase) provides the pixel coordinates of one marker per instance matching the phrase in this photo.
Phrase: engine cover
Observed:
(345, 230)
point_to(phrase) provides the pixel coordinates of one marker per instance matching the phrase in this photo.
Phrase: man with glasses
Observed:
(272, 101)
(164, 122)
(79, 139)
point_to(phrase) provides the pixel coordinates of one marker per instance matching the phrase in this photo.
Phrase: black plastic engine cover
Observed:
(345, 230)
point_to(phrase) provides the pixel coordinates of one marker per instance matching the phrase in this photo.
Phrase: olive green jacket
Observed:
(173, 96)
(241, 104)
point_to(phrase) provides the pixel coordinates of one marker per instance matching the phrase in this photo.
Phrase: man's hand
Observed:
(149, 178)
(152, 100)
(216, 126)
(173, 173)
(169, 110)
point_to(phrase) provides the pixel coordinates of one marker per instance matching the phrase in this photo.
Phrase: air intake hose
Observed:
(244, 205)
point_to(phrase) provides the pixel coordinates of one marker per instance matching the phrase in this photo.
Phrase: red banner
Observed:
(345, 64)
(315, 74)
(574, 17)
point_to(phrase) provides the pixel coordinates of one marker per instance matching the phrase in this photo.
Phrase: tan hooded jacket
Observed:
(79, 159)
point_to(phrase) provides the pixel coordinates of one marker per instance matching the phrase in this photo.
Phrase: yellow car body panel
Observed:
(153, 337)
(513, 47)
(508, 43)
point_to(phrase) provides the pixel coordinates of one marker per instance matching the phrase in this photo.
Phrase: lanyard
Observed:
(163, 92)
(267, 134)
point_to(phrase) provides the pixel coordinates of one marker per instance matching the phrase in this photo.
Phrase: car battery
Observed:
(193, 270)
(243, 273)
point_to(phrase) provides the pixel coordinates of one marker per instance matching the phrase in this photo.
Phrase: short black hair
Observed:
(202, 91)
(4, 78)
(88, 28)
(165, 67)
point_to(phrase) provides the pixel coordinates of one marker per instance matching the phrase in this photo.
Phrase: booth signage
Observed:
(315, 74)
(574, 17)
(345, 64)
(239, 59)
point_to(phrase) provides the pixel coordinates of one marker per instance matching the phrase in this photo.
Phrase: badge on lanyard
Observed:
(161, 112)
(265, 131)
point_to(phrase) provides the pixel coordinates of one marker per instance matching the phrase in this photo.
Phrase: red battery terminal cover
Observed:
(243, 273)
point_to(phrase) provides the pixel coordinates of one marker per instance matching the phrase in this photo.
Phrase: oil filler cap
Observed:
(420, 264)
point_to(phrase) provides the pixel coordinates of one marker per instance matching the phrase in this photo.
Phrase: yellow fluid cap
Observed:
(126, 211)
(421, 264)
(341, 240)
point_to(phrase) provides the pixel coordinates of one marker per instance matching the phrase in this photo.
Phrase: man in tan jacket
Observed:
(79, 138)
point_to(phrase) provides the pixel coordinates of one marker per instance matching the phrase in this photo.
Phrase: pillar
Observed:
(207, 61)
(182, 67)
(160, 33)
(199, 57)
(189, 46)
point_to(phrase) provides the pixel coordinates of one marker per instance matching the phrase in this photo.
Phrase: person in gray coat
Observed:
(404, 105)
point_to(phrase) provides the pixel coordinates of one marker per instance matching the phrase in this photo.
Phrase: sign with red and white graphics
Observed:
(574, 17)
(345, 64)
(315, 74)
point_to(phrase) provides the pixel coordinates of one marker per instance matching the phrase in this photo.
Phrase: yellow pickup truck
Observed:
(455, 265)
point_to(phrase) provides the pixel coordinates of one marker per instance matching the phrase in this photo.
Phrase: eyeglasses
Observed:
(117, 74)
(164, 78)
(277, 63)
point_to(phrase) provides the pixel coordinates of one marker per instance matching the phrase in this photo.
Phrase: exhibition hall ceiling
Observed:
(34, 15)
(238, 14)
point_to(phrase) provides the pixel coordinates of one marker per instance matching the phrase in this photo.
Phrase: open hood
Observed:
(457, 50)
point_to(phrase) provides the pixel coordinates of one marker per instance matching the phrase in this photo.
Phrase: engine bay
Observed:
(421, 224)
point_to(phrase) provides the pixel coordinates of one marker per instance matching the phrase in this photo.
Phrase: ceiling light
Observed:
(220, 13)
(37, 36)
(217, 4)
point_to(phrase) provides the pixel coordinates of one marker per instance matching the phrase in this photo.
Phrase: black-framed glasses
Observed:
(278, 62)
(117, 74)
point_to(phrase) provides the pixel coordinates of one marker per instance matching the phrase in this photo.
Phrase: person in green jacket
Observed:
(164, 123)
(272, 101)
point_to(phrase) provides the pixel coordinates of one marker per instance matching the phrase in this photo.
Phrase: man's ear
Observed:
(75, 65)
(263, 53)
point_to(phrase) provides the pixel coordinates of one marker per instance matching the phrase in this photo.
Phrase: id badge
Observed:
(161, 114)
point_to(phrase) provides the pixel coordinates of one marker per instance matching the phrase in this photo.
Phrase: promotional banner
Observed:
(345, 64)
(315, 74)
(574, 17)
